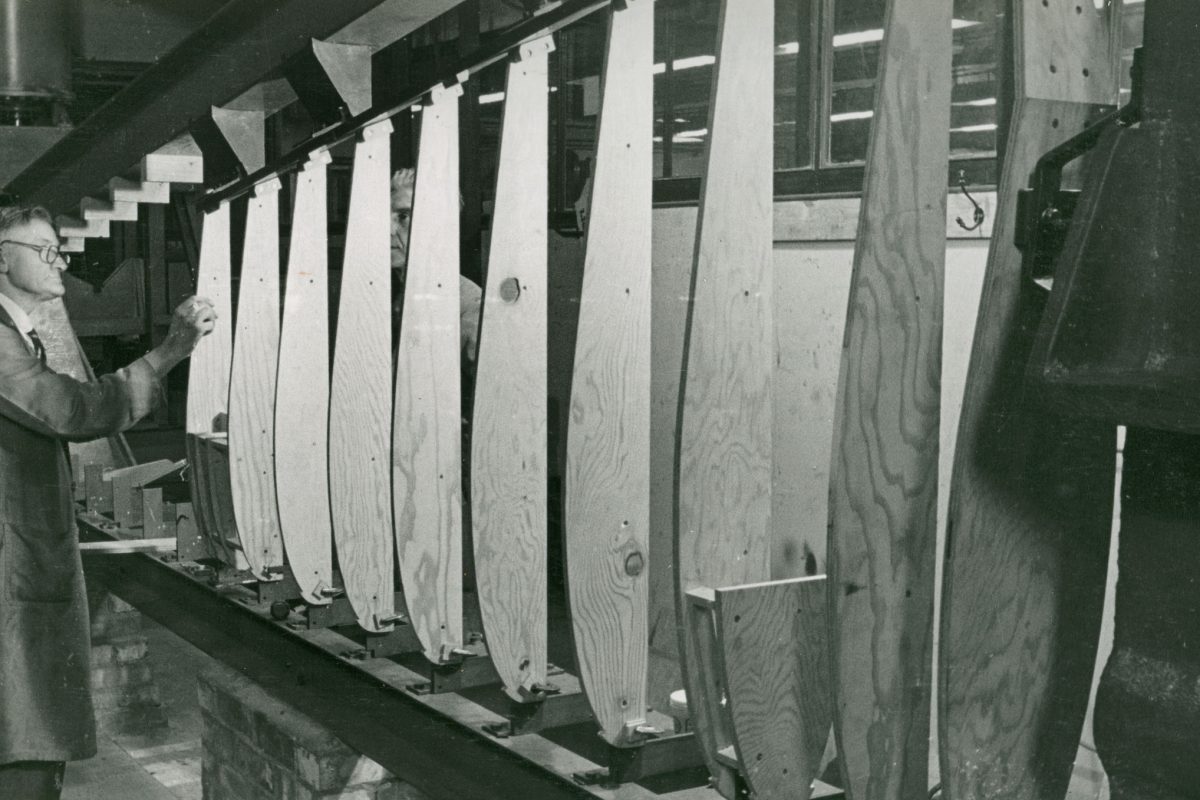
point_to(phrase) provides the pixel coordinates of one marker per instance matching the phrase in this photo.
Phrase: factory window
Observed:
(826, 62)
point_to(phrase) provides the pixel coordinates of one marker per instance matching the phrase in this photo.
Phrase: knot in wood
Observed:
(510, 290)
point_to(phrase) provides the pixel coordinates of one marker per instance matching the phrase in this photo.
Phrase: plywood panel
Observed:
(360, 394)
(608, 448)
(508, 439)
(724, 477)
(1030, 509)
(775, 652)
(208, 377)
(427, 426)
(883, 478)
(302, 393)
(252, 387)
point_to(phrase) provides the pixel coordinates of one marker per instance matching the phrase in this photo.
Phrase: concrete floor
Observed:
(158, 764)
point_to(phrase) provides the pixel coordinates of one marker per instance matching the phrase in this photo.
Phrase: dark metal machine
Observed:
(1120, 341)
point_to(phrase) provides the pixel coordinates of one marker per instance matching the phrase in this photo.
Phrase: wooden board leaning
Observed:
(302, 393)
(427, 423)
(607, 521)
(252, 388)
(1031, 496)
(508, 441)
(724, 461)
(360, 394)
(775, 655)
(208, 386)
(883, 477)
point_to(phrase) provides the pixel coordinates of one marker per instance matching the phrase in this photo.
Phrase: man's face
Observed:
(403, 184)
(27, 273)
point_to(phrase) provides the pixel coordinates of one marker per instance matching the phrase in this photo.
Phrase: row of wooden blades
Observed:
(298, 451)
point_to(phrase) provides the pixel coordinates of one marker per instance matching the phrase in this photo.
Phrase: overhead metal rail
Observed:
(243, 42)
(549, 19)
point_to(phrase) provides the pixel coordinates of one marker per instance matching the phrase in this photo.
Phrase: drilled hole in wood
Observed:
(737, 617)
(1053, 69)
(1053, 123)
(1086, 72)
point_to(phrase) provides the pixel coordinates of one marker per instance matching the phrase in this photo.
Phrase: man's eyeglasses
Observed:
(49, 252)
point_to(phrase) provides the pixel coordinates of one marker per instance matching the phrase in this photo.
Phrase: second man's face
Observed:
(403, 183)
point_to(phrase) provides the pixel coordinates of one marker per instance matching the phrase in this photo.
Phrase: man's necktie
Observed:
(39, 349)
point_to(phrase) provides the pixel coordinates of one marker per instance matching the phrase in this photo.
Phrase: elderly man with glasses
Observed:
(46, 714)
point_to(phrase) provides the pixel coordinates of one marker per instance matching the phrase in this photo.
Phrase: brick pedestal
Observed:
(258, 748)
(123, 688)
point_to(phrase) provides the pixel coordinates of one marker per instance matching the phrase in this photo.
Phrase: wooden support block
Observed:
(70, 227)
(126, 546)
(94, 208)
(99, 492)
(153, 511)
(707, 693)
(179, 161)
(233, 143)
(333, 80)
(123, 190)
(126, 505)
(147, 472)
(190, 545)
(266, 97)
(774, 656)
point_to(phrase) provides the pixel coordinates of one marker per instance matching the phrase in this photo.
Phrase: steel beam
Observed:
(417, 743)
(243, 42)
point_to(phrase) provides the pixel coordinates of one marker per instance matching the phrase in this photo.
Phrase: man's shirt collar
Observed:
(17, 314)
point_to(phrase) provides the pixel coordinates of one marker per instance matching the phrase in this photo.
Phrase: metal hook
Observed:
(978, 215)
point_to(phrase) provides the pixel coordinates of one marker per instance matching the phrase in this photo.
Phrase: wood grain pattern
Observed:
(178, 161)
(608, 445)
(302, 393)
(775, 656)
(708, 709)
(508, 440)
(252, 387)
(883, 476)
(1030, 505)
(427, 422)
(208, 377)
(360, 394)
(723, 514)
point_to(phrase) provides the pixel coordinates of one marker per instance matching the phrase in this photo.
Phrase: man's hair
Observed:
(15, 216)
